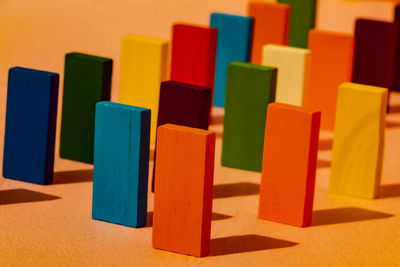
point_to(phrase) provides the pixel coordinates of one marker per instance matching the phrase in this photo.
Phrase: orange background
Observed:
(51, 225)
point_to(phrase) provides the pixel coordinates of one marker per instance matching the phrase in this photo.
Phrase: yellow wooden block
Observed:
(358, 141)
(293, 72)
(143, 68)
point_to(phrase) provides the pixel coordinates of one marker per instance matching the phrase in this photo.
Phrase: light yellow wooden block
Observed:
(143, 67)
(358, 141)
(293, 72)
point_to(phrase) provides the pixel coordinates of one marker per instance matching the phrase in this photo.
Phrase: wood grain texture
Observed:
(289, 164)
(183, 198)
(358, 141)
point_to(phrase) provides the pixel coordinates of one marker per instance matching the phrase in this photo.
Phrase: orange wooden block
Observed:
(289, 164)
(183, 198)
(271, 26)
(331, 65)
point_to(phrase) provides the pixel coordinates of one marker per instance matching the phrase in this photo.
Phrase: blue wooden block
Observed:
(234, 44)
(30, 125)
(121, 164)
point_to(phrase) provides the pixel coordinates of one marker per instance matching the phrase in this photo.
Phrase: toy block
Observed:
(87, 80)
(289, 164)
(121, 164)
(396, 77)
(331, 65)
(144, 65)
(183, 199)
(31, 117)
(271, 26)
(375, 44)
(302, 20)
(249, 89)
(293, 72)
(183, 104)
(358, 141)
(233, 44)
(193, 54)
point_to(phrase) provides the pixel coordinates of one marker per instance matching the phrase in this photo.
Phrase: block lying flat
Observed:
(31, 115)
(87, 80)
(121, 164)
(183, 198)
(289, 164)
(358, 141)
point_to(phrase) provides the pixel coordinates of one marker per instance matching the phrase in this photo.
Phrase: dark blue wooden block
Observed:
(121, 164)
(30, 125)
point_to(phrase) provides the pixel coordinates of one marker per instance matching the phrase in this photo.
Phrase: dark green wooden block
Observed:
(249, 90)
(87, 80)
(302, 19)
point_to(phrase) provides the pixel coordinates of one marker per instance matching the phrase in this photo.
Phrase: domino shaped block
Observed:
(87, 80)
(375, 45)
(249, 89)
(193, 54)
(293, 72)
(289, 164)
(183, 104)
(358, 141)
(302, 20)
(121, 164)
(396, 77)
(331, 65)
(144, 64)
(271, 26)
(30, 129)
(234, 44)
(183, 199)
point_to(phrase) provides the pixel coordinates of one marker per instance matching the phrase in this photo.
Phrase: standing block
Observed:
(289, 164)
(193, 54)
(121, 164)
(30, 128)
(396, 76)
(331, 65)
(375, 44)
(302, 20)
(358, 141)
(87, 80)
(293, 72)
(234, 43)
(144, 63)
(271, 26)
(183, 199)
(249, 89)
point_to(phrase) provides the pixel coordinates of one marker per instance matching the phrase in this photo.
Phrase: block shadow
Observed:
(391, 124)
(236, 190)
(323, 163)
(345, 215)
(246, 243)
(325, 144)
(394, 109)
(215, 217)
(390, 191)
(218, 119)
(15, 196)
(77, 176)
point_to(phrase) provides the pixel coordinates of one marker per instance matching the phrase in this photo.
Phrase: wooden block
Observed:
(358, 141)
(234, 44)
(144, 64)
(249, 89)
(302, 20)
(121, 164)
(375, 44)
(331, 65)
(293, 72)
(183, 104)
(31, 116)
(193, 54)
(183, 199)
(87, 80)
(289, 164)
(271, 26)
(396, 76)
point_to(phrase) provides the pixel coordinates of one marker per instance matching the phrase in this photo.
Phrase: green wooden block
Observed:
(249, 90)
(302, 19)
(87, 80)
